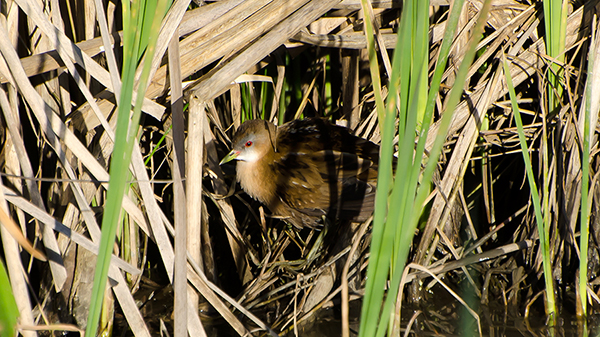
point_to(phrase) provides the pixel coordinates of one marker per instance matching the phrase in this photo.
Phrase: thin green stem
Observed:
(550, 301)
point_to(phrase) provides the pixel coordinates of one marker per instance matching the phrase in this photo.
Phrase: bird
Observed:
(306, 169)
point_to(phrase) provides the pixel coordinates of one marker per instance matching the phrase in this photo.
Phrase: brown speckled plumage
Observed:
(306, 169)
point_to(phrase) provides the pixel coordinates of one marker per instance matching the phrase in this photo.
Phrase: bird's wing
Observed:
(352, 187)
(314, 182)
(339, 164)
(312, 135)
(300, 184)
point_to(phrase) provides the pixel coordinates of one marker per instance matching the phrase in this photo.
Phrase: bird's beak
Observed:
(229, 157)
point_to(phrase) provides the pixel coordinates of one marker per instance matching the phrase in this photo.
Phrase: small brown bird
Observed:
(306, 169)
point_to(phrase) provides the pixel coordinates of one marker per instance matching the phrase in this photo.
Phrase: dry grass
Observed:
(254, 271)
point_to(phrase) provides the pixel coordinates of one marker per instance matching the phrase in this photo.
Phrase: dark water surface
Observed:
(458, 322)
(441, 316)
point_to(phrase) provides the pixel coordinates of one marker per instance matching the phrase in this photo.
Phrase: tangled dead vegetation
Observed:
(230, 60)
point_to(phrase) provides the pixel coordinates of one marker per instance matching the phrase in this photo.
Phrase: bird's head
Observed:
(253, 140)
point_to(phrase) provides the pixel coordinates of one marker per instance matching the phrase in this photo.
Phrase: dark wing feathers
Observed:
(335, 176)
(299, 136)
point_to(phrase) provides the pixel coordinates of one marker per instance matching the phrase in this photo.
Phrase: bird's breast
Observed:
(257, 180)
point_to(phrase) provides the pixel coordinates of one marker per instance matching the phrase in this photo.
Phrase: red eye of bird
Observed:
(249, 143)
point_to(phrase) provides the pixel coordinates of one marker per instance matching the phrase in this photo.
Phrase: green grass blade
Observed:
(586, 198)
(125, 136)
(393, 229)
(555, 22)
(550, 301)
(421, 190)
(379, 246)
(8, 306)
